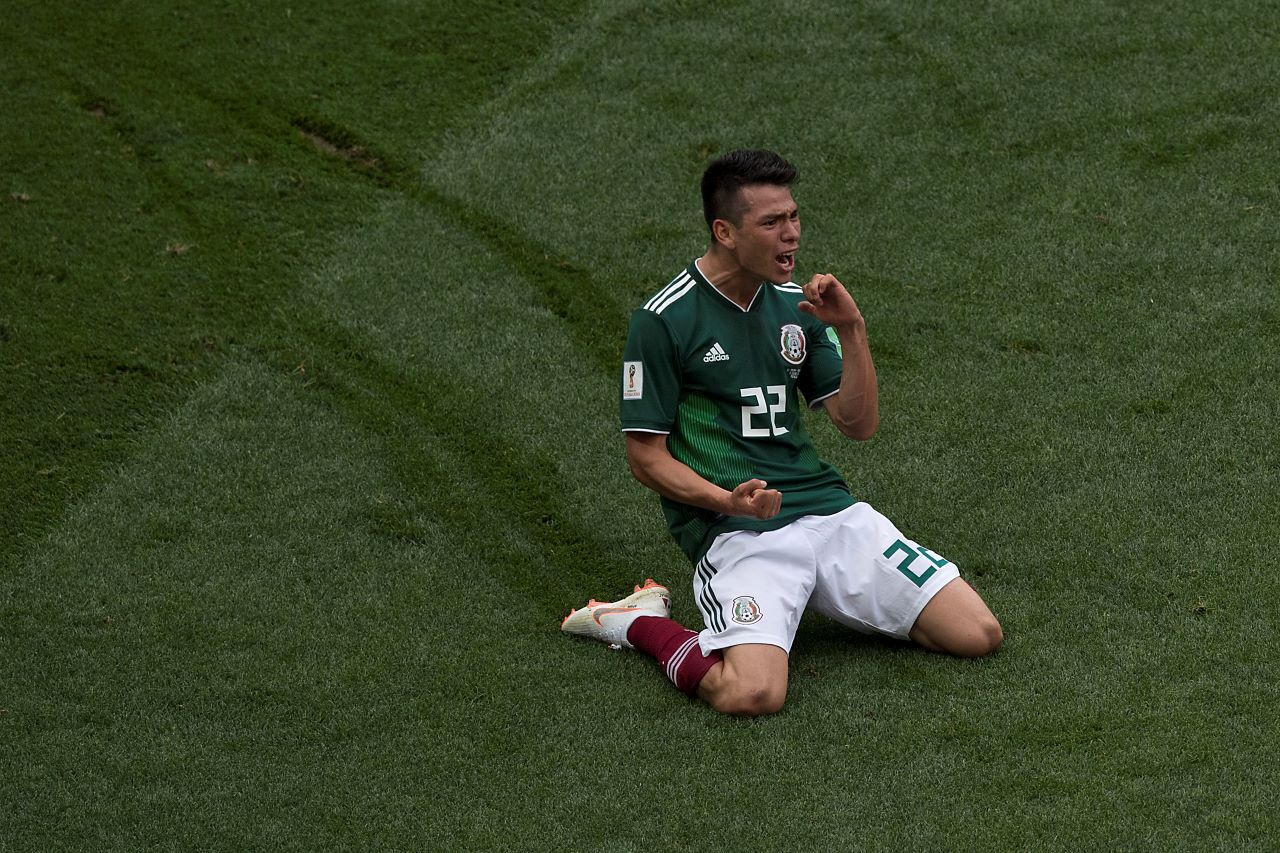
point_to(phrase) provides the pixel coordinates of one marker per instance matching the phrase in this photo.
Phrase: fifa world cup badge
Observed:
(632, 380)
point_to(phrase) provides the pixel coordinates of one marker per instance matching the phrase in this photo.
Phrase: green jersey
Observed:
(724, 384)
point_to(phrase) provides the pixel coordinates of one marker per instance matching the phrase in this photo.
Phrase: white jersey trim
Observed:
(754, 296)
(650, 431)
(817, 401)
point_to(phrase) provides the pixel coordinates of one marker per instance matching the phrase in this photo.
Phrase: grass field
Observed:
(310, 322)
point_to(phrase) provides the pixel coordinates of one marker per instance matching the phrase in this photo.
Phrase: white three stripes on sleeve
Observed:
(675, 284)
(670, 293)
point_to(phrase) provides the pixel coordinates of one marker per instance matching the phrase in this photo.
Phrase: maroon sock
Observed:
(676, 649)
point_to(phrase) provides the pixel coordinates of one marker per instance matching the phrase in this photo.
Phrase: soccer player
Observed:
(713, 372)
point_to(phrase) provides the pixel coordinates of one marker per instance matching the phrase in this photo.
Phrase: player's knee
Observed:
(983, 638)
(752, 700)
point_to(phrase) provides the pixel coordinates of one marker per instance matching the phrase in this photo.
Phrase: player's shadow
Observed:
(821, 642)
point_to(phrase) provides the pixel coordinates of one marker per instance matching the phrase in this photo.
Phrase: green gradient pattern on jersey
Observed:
(704, 446)
(809, 459)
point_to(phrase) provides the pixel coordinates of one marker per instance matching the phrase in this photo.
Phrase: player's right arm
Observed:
(654, 466)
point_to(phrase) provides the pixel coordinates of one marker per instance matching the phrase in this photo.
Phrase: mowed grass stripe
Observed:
(162, 246)
(202, 640)
(509, 500)
(568, 292)
(183, 204)
(456, 344)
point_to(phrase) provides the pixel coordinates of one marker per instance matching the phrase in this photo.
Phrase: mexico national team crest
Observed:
(793, 343)
(746, 611)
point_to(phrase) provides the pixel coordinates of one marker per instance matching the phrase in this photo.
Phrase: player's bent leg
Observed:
(751, 681)
(957, 621)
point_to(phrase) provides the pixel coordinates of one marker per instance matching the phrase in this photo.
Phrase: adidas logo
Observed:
(716, 353)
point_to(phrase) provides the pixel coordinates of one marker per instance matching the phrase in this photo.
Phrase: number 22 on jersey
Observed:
(763, 406)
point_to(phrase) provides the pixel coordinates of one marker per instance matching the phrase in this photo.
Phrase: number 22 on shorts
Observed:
(909, 555)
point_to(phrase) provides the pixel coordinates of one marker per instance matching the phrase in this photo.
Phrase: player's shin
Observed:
(676, 649)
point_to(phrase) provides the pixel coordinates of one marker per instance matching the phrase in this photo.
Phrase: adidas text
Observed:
(716, 353)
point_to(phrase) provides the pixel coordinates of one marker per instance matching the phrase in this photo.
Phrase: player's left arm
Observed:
(855, 408)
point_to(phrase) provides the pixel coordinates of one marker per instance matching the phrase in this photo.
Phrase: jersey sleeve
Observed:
(820, 377)
(650, 390)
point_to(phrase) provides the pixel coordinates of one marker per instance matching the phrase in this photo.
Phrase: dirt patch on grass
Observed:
(334, 142)
(97, 109)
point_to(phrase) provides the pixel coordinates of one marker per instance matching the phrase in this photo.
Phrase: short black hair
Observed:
(730, 172)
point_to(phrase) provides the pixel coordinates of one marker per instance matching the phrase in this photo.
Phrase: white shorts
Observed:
(854, 567)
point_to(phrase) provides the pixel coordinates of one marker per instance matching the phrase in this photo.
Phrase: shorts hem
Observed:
(945, 578)
(715, 643)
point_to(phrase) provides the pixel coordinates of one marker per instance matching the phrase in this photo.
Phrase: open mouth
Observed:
(787, 260)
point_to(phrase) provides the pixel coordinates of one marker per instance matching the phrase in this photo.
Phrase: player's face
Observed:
(766, 241)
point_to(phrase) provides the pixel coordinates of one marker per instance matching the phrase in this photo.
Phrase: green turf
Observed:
(309, 329)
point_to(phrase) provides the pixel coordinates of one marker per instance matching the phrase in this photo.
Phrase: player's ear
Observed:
(722, 231)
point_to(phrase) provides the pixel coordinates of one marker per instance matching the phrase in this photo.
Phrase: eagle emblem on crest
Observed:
(746, 611)
(793, 345)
